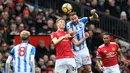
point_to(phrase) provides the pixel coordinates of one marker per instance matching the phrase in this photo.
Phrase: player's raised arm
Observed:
(94, 14)
(7, 66)
(33, 51)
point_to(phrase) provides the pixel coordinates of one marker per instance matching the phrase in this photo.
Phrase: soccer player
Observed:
(64, 55)
(82, 55)
(107, 56)
(22, 55)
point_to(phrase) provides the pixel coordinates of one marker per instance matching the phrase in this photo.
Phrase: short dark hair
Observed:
(106, 34)
(72, 13)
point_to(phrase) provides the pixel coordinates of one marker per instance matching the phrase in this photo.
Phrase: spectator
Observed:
(52, 49)
(41, 50)
(50, 24)
(49, 70)
(18, 20)
(37, 70)
(33, 30)
(41, 64)
(50, 64)
(11, 33)
(89, 41)
(94, 4)
(113, 9)
(53, 58)
(123, 49)
(123, 16)
(21, 27)
(117, 41)
(126, 8)
(101, 6)
(3, 47)
(46, 59)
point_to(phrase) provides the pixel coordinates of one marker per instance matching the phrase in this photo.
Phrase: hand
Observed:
(93, 11)
(101, 69)
(74, 32)
(86, 35)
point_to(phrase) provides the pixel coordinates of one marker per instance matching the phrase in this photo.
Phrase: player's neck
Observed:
(25, 41)
(60, 30)
(107, 44)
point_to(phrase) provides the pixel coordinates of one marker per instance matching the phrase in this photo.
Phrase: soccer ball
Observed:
(67, 8)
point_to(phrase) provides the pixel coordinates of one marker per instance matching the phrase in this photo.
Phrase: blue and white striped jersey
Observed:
(21, 54)
(80, 28)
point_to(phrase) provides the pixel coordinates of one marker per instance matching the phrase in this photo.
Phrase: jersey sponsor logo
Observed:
(110, 54)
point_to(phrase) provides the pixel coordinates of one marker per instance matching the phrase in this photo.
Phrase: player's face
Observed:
(106, 39)
(74, 19)
(61, 24)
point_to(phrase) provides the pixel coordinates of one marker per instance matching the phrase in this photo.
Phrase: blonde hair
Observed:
(24, 35)
(58, 21)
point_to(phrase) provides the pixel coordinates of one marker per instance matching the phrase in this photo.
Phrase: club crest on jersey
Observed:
(113, 49)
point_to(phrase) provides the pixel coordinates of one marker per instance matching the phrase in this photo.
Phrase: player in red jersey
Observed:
(107, 56)
(64, 55)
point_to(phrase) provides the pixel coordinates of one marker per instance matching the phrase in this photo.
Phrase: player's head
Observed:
(73, 17)
(60, 23)
(106, 38)
(25, 35)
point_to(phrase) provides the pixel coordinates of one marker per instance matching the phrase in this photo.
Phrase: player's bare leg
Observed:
(88, 68)
(80, 70)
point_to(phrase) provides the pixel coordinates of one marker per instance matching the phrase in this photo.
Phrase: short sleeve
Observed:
(98, 53)
(117, 46)
(53, 35)
(84, 20)
(33, 51)
(12, 52)
(68, 26)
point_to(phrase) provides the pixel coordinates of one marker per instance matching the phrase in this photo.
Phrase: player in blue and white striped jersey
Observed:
(82, 55)
(22, 55)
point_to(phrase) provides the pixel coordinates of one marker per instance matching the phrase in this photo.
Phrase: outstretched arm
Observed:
(94, 14)
(7, 66)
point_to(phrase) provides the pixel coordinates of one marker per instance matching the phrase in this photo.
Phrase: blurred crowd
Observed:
(16, 16)
(117, 8)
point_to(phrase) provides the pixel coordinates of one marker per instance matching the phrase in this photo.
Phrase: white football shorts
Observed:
(62, 65)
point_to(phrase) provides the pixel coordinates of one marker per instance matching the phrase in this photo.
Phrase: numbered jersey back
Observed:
(22, 54)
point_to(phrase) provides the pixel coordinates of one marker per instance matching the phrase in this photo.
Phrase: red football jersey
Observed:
(108, 54)
(64, 48)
